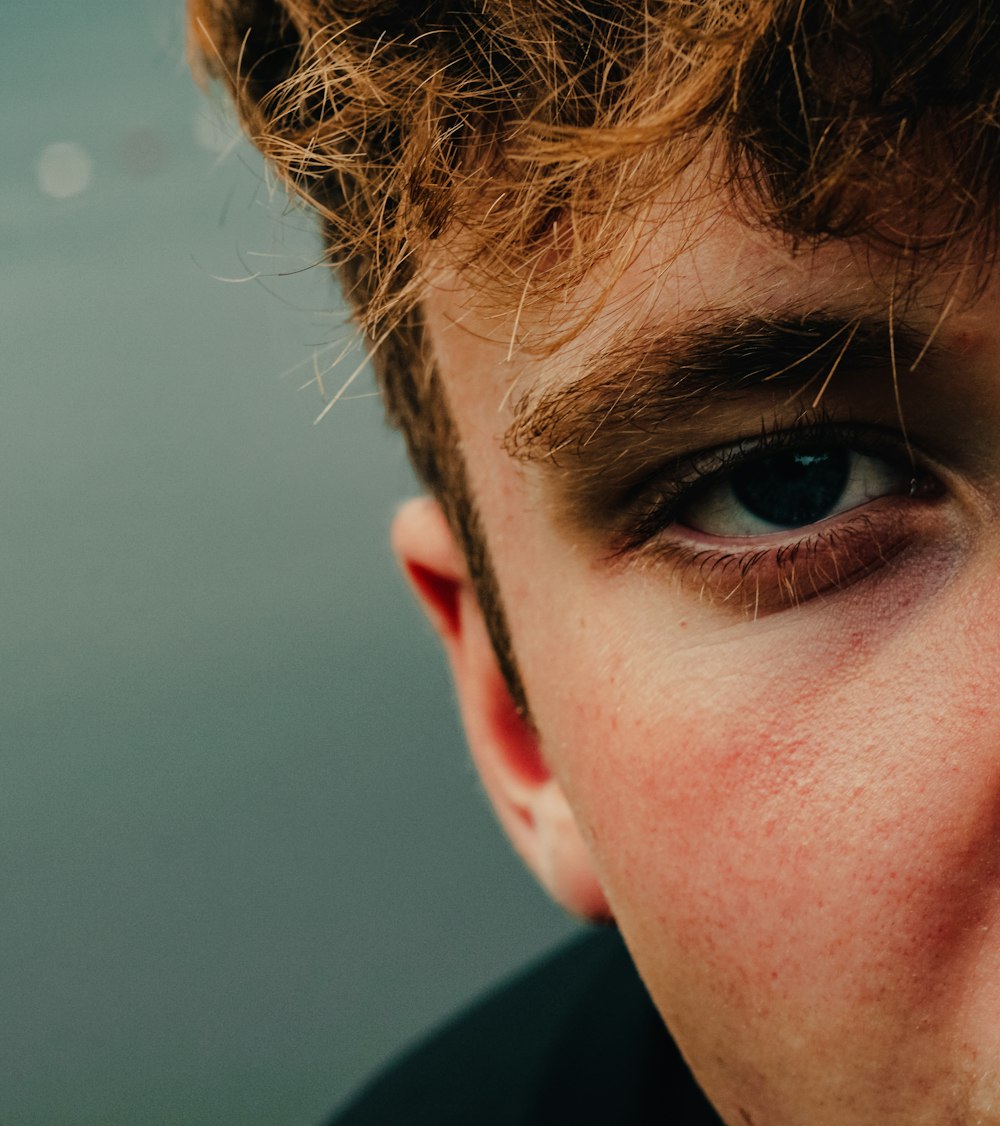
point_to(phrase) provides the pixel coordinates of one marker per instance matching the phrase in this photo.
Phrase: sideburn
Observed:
(415, 403)
(463, 516)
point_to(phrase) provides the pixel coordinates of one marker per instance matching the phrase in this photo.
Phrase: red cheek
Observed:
(824, 835)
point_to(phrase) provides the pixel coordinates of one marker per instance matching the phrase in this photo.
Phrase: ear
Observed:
(505, 746)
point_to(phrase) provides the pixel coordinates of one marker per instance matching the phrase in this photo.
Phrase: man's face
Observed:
(751, 577)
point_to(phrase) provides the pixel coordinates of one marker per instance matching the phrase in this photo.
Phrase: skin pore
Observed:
(769, 748)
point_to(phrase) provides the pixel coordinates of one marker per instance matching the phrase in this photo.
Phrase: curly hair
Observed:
(492, 127)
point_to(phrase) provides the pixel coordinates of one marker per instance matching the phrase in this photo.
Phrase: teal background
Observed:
(242, 855)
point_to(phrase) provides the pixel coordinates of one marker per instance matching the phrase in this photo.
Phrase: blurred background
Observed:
(243, 855)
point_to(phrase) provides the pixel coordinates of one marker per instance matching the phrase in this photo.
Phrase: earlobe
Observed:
(562, 861)
(527, 797)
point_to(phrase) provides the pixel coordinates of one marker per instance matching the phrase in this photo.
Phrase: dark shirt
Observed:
(575, 1040)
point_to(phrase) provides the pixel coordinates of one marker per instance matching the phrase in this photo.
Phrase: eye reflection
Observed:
(790, 489)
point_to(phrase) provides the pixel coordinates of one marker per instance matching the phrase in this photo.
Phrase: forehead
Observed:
(683, 266)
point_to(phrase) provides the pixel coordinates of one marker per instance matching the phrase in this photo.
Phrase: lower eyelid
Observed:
(777, 572)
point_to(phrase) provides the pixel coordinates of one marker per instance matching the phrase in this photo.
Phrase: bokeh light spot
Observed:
(64, 169)
(214, 130)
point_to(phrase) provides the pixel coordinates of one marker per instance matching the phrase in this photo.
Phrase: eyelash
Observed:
(830, 555)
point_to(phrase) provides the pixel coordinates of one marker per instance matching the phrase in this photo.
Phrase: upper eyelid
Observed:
(712, 461)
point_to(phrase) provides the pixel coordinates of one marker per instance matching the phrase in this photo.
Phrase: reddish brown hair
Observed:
(400, 122)
(497, 126)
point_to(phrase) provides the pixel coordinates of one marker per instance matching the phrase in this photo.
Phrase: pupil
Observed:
(793, 488)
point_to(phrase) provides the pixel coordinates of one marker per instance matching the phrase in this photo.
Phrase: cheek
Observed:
(794, 828)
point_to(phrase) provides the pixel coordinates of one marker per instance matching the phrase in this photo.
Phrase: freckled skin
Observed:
(796, 820)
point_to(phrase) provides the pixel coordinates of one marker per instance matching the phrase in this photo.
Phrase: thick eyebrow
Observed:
(655, 382)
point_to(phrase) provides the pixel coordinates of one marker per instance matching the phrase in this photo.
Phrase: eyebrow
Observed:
(652, 383)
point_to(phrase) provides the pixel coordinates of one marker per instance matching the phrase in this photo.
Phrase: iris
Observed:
(793, 488)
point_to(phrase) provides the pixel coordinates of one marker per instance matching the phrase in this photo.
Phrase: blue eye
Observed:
(764, 524)
(790, 489)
